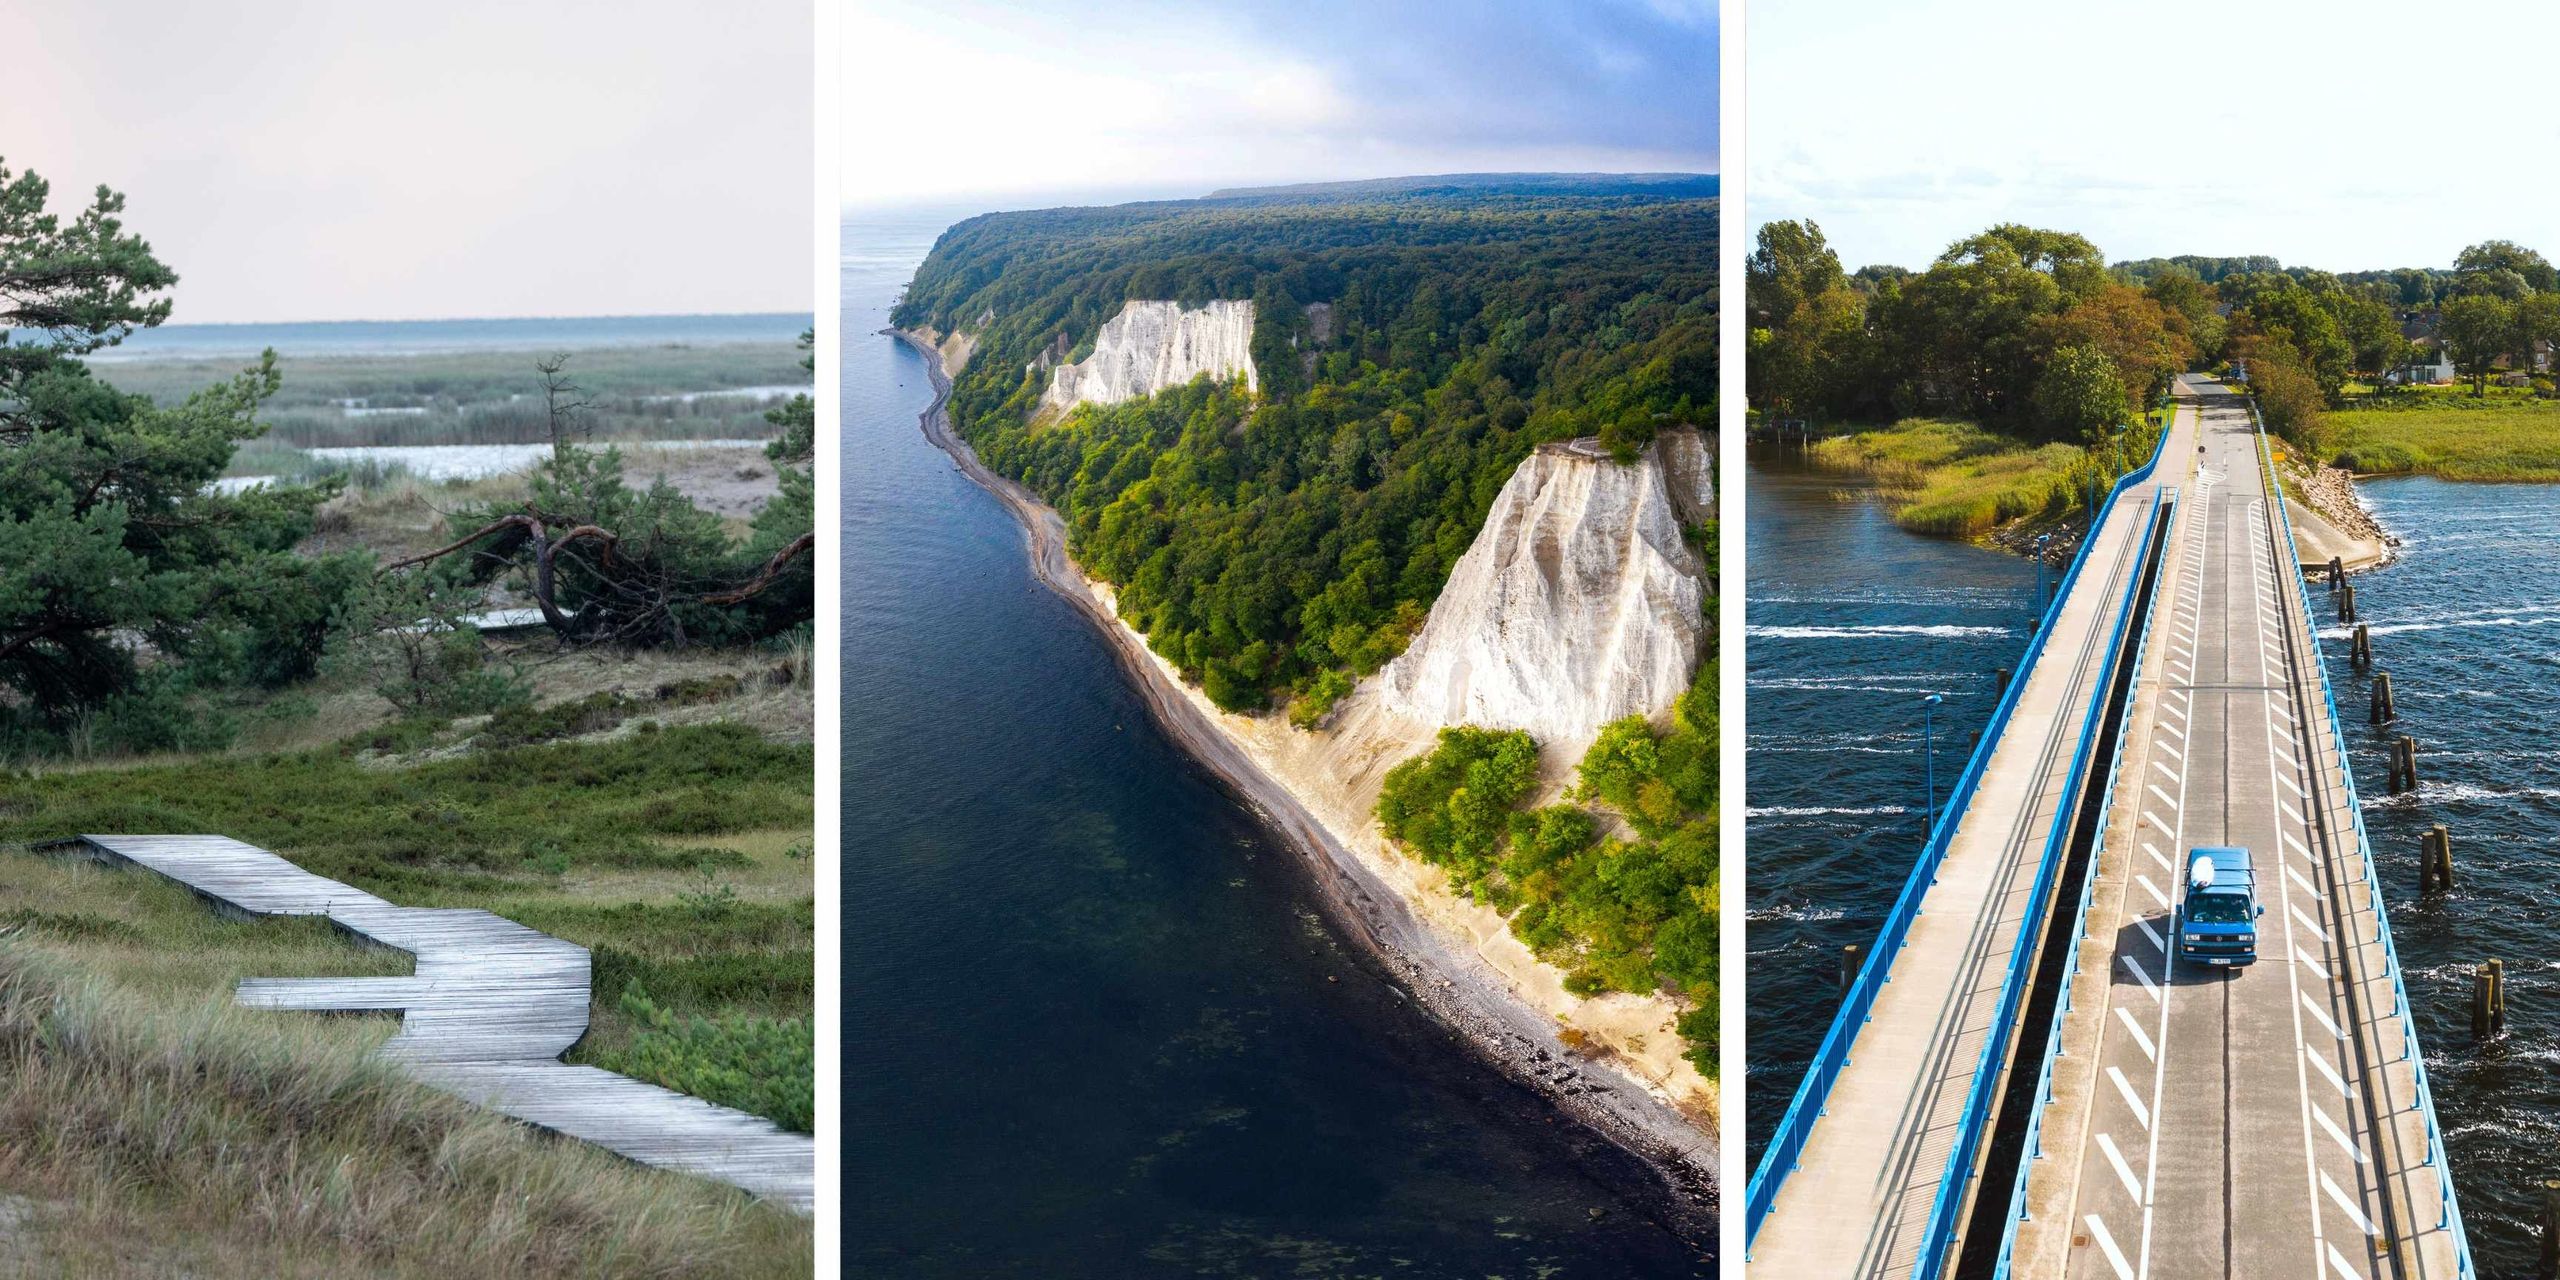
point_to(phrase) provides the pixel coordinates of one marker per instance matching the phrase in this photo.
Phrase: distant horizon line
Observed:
(936, 202)
(606, 315)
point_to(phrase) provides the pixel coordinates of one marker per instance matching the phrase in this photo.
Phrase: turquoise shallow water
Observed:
(1097, 1025)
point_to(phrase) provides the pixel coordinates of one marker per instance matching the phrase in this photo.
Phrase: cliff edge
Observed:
(1151, 346)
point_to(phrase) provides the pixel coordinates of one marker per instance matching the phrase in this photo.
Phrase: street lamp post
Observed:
(1929, 756)
(2038, 609)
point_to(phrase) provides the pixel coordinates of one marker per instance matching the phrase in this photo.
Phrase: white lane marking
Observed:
(2165, 771)
(2164, 797)
(2328, 1073)
(2152, 889)
(2149, 932)
(2289, 761)
(2132, 1186)
(2339, 1264)
(2338, 1133)
(2174, 753)
(2325, 1023)
(2165, 829)
(2298, 846)
(2291, 812)
(2141, 1113)
(2143, 978)
(2362, 1222)
(2305, 922)
(2171, 728)
(2115, 1256)
(2313, 965)
(2157, 856)
(2288, 784)
(2138, 1037)
(2290, 870)
(2179, 713)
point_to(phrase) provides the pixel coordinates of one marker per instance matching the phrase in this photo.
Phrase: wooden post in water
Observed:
(2489, 1000)
(2346, 604)
(2403, 774)
(1850, 957)
(2337, 573)
(2360, 649)
(2383, 711)
(2435, 860)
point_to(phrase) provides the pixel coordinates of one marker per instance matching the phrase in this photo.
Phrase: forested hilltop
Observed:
(1288, 541)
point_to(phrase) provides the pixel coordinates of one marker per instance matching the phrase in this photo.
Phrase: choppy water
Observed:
(1096, 1025)
(1850, 623)
(2462, 622)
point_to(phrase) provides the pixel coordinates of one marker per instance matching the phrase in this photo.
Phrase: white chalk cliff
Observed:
(1577, 604)
(1151, 346)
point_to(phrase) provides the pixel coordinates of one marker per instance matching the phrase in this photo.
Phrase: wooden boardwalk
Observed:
(486, 1017)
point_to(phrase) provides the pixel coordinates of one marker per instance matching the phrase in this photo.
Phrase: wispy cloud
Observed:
(1041, 95)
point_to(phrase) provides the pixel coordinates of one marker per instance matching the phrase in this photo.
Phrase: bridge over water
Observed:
(2021, 1081)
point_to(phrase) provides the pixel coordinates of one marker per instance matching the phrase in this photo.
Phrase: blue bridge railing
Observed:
(2449, 1217)
(1795, 1129)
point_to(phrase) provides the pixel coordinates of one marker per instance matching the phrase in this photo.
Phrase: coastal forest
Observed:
(1412, 345)
(1995, 382)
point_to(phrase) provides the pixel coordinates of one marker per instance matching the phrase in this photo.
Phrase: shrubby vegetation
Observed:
(1619, 910)
(147, 603)
(1289, 543)
(2028, 337)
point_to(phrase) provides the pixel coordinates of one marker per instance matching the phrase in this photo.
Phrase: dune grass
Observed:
(2505, 437)
(158, 1131)
(1958, 479)
(677, 853)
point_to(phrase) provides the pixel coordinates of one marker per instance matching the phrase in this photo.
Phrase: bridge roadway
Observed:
(2249, 1122)
(1858, 1201)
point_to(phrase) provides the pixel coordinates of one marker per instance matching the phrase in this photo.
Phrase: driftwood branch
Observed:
(772, 570)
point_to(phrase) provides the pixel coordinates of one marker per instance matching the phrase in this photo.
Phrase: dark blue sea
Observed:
(1097, 1023)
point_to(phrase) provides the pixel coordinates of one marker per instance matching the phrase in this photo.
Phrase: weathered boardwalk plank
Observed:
(486, 1017)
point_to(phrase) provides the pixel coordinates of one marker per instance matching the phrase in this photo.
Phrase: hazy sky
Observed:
(986, 98)
(2342, 135)
(327, 161)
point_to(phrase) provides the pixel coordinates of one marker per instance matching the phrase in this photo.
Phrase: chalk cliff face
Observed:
(1577, 604)
(1151, 346)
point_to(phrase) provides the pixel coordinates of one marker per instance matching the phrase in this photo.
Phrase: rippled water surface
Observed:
(1851, 623)
(1096, 1025)
(2468, 624)
(1853, 620)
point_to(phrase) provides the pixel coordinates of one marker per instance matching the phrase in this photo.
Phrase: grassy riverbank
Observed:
(1959, 479)
(2507, 436)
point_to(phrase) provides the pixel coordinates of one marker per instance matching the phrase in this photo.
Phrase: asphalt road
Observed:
(2226, 1133)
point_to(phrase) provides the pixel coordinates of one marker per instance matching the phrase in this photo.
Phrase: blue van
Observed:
(2217, 917)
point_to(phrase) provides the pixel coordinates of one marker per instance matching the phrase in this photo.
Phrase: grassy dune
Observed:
(2504, 437)
(1959, 479)
(149, 1129)
(639, 810)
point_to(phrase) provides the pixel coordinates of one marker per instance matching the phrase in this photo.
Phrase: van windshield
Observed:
(2218, 908)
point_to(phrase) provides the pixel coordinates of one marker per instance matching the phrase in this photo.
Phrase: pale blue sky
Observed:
(2343, 135)
(993, 98)
(318, 160)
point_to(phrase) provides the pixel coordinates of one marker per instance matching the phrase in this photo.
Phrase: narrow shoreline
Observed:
(1458, 990)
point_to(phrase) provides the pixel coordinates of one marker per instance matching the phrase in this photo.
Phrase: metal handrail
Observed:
(1939, 1237)
(2033, 1147)
(2451, 1221)
(1795, 1128)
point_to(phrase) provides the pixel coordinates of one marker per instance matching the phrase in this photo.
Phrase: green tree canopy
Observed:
(133, 586)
